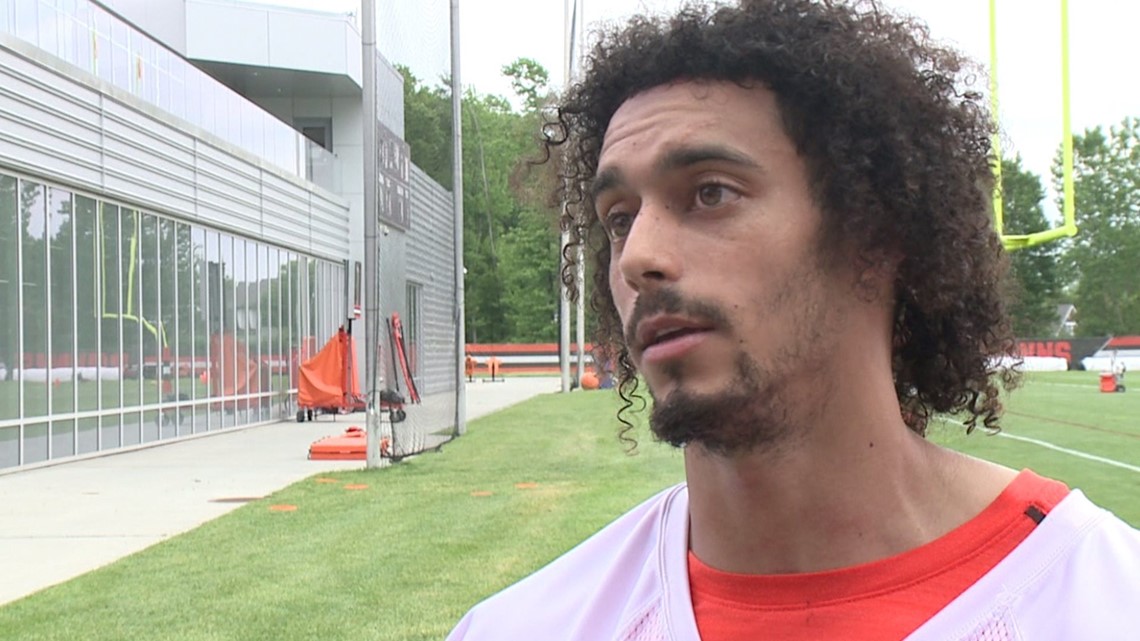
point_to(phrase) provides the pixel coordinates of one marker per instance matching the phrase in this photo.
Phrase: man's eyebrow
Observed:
(606, 180)
(683, 157)
(675, 159)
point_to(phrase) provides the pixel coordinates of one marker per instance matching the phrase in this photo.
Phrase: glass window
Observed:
(120, 56)
(110, 432)
(177, 88)
(36, 360)
(88, 435)
(131, 313)
(162, 78)
(212, 310)
(192, 96)
(112, 367)
(9, 446)
(49, 31)
(9, 304)
(284, 319)
(102, 63)
(132, 428)
(27, 20)
(203, 273)
(87, 288)
(60, 230)
(168, 312)
(131, 307)
(63, 438)
(272, 320)
(187, 371)
(150, 316)
(84, 40)
(314, 308)
(144, 61)
(68, 36)
(6, 19)
(35, 443)
(228, 339)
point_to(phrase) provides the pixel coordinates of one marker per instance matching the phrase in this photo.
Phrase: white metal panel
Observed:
(431, 251)
(227, 33)
(353, 58)
(294, 38)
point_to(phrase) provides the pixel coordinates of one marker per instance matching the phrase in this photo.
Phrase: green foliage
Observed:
(1104, 254)
(510, 244)
(1036, 276)
(427, 126)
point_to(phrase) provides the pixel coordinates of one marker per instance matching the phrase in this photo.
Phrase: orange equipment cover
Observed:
(349, 446)
(322, 377)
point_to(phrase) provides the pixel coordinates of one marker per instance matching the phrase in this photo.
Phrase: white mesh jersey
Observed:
(1075, 577)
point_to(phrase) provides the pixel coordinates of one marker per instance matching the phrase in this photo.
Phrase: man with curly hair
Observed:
(788, 202)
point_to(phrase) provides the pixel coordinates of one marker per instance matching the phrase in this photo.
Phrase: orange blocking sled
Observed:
(350, 446)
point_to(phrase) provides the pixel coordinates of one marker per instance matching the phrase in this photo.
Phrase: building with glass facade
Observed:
(180, 198)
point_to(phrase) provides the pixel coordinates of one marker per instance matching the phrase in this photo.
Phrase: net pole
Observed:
(564, 291)
(579, 32)
(371, 278)
(457, 204)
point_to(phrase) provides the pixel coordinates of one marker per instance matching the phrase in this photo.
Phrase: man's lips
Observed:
(661, 330)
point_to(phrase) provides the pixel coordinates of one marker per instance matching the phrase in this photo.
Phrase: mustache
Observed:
(669, 301)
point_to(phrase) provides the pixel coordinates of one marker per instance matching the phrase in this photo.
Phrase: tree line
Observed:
(511, 236)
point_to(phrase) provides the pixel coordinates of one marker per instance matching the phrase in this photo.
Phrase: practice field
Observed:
(401, 553)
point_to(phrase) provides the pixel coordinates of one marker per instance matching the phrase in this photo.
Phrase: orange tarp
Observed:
(322, 377)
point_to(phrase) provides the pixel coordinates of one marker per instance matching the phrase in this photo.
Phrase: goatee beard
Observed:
(747, 416)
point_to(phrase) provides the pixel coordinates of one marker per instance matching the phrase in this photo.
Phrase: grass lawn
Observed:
(404, 557)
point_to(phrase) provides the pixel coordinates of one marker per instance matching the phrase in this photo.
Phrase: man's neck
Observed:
(848, 492)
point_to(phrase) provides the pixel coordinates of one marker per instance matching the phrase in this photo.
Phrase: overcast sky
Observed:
(1102, 42)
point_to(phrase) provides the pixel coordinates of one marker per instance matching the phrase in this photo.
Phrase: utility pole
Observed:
(371, 251)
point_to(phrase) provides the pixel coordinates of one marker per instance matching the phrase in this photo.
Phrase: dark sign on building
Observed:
(393, 188)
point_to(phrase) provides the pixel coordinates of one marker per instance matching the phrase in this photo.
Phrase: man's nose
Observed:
(650, 255)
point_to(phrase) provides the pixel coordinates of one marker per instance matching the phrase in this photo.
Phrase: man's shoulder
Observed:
(1074, 577)
(1092, 587)
(591, 591)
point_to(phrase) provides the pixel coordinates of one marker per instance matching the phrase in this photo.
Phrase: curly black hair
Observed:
(899, 154)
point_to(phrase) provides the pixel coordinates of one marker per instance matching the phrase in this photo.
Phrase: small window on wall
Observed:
(413, 328)
(318, 130)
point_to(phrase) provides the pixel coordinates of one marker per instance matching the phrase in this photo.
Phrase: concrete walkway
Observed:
(61, 521)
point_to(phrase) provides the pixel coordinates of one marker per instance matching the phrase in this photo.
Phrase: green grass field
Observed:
(405, 557)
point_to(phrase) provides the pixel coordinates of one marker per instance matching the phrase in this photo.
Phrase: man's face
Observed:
(715, 264)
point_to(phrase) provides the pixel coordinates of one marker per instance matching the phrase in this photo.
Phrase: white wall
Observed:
(268, 36)
(64, 124)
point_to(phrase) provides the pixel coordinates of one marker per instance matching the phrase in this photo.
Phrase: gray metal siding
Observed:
(66, 125)
(431, 244)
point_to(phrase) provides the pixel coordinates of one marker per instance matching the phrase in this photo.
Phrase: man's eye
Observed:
(618, 225)
(713, 194)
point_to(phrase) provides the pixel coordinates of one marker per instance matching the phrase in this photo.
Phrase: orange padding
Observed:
(350, 446)
(322, 381)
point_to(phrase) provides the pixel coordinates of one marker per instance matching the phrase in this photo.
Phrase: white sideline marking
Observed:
(1088, 386)
(1084, 455)
(1064, 450)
